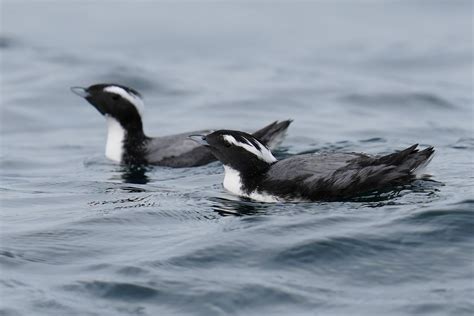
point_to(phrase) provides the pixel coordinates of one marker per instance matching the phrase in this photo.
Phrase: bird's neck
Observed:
(125, 145)
(241, 182)
(232, 181)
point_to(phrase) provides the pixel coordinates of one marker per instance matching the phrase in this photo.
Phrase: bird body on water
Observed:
(252, 171)
(127, 143)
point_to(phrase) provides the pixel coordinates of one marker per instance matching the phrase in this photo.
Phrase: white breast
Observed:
(115, 137)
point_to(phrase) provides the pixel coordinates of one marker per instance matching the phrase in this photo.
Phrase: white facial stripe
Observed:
(132, 98)
(263, 153)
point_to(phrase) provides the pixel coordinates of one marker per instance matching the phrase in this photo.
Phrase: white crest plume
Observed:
(262, 152)
(134, 99)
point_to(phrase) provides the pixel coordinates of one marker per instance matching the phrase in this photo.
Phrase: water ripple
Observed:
(419, 100)
(114, 290)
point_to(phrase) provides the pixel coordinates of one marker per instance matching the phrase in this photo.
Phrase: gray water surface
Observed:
(83, 236)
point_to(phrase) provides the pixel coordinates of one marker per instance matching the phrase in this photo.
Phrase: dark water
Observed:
(82, 236)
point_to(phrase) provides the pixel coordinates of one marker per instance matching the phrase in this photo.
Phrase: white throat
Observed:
(233, 184)
(232, 181)
(115, 138)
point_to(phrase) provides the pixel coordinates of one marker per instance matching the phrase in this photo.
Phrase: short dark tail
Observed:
(272, 135)
(411, 159)
(421, 160)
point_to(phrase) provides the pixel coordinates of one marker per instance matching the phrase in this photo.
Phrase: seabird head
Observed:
(123, 108)
(113, 100)
(237, 150)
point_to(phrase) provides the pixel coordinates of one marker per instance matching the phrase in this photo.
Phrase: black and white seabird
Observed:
(127, 143)
(253, 172)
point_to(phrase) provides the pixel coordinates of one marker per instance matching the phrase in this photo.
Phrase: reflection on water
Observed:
(135, 174)
(238, 207)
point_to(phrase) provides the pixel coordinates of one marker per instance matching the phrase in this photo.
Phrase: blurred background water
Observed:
(83, 236)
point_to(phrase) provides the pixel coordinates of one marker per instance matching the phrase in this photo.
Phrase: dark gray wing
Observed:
(309, 165)
(336, 176)
(304, 176)
(272, 135)
(178, 151)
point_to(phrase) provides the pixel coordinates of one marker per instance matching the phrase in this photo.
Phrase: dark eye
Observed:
(226, 144)
(115, 96)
